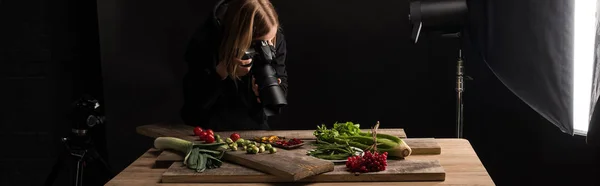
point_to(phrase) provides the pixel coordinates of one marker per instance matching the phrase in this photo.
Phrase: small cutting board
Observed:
(287, 165)
(397, 170)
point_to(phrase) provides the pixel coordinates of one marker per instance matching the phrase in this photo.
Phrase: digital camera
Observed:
(271, 94)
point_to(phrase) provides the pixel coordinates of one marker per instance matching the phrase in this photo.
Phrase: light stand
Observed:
(446, 17)
(460, 83)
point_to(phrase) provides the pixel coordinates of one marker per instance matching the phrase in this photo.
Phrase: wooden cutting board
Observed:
(424, 146)
(397, 170)
(286, 165)
(419, 146)
(178, 130)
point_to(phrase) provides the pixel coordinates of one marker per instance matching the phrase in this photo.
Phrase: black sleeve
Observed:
(280, 46)
(202, 86)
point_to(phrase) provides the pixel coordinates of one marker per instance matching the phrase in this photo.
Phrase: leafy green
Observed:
(350, 133)
(339, 129)
(199, 159)
(347, 129)
(324, 134)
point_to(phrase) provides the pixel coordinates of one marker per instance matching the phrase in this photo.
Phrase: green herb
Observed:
(350, 133)
(332, 151)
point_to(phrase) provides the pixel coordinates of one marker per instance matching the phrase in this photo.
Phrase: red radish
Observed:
(210, 131)
(235, 136)
(197, 131)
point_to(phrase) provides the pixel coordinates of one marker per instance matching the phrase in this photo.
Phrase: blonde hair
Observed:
(244, 20)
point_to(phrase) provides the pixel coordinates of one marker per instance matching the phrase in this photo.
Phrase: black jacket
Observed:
(218, 104)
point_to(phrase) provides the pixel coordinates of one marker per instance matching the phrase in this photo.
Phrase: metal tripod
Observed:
(459, 95)
(78, 146)
(460, 85)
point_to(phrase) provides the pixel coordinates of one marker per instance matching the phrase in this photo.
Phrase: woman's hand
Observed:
(243, 68)
(255, 88)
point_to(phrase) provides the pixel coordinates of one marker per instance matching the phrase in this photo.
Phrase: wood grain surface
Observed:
(286, 165)
(295, 165)
(423, 146)
(397, 170)
(428, 146)
(459, 160)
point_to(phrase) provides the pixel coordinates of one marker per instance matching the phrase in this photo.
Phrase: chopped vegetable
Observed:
(229, 140)
(267, 139)
(290, 142)
(261, 149)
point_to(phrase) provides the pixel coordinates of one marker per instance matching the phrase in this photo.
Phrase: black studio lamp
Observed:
(446, 18)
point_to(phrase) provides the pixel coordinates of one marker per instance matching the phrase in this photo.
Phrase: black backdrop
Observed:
(347, 62)
(44, 42)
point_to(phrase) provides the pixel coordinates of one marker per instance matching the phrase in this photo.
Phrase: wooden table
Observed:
(458, 158)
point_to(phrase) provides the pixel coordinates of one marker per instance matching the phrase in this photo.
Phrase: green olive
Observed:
(273, 150)
(240, 141)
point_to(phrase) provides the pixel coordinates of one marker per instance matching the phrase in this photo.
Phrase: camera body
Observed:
(271, 94)
(85, 114)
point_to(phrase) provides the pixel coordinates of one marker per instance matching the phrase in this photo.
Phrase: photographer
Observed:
(219, 88)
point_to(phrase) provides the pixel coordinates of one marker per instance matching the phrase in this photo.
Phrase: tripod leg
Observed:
(55, 169)
(79, 174)
(96, 156)
(79, 171)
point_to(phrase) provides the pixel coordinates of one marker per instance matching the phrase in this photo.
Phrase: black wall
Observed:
(350, 61)
(347, 61)
(49, 56)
